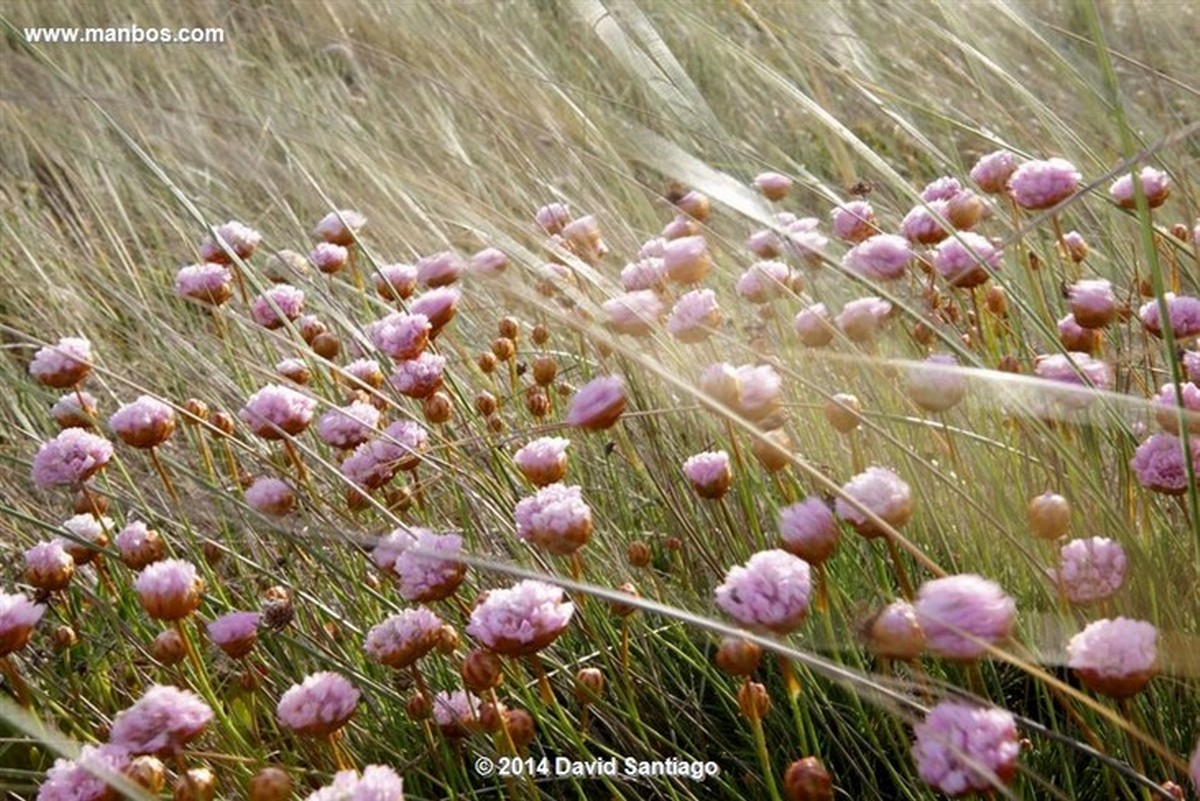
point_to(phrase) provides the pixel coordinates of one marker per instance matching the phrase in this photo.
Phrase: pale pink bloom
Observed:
(204, 283)
(764, 243)
(721, 384)
(144, 423)
(419, 377)
(1183, 311)
(646, 273)
(440, 269)
(1078, 369)
(694, 316)
(967, 260)
(270, 496)
(942, 188)
(438, 305)
(279, 303)
(1091, 570)
(1093, 302)
(320, 705)
(553, 217)
(679, 227)
(583, 238)
(1166, 406)
(882, 492)
(1074, 245)
(761, 391)
(853, 221)
(803, 241)
(652, 248)
(85, 778)
(1075, 337)
(328, 257)
(456, 713)
(555, 518)
(488, 262)
(598, 404)
(403, 638)
(1115, 657)
(686, 260)
(764, 281)
(400, 335)
(882, 257)
(340, 227)
(544, 460)
(90, 534)
(860, 320)
(70, 458)
(236, 236)
(161, 722)
(421, 577)
(770, 592)
(809, 530)
(634, 313)
(365, 372)
(275, 412)
(68, 412)
(936, 384)
(1159, 463)
(814, 326)
(773, 185)
(170, 589)
(709, 473)
(402, 444)
(18, 617)
(64, 364)
(895, 633)
(922, 224)
(235, 633)
(522, 619)
(1039, 185)
(992, 171)
(962, 615)
(294, 370)
(48, 566)
(396, 281)
(1156, 186)
(139, 545)
(349, 426)
(1191, 363)
(365, 467)
(377, 783)
(961, 749)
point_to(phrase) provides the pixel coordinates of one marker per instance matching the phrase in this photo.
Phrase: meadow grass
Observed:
(448, 126)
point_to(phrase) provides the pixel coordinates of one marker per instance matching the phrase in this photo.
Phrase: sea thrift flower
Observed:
(961, 749)
(64, 364)
(488, 262)
(648, 273)
(139, 545)
(1093, 302)
(270, 496)
(895, 633)
(403, 638)
(853, 221)
(70, 458)
(770, 592)
(438, 306)
(761, 392)
(922, 224)
(329, 258)
(963, 614)
(936, 385)
(882, 492)
(1078, 369)
(522, 619)
(84, 779)
(294, 370)
(773, 185)
(340, 227)
(634, 313)
(365, 468)
(74, 410)
(440, 269)
(1091, 570)
(709, 473)
(1158, 463)
(967, 260)
(598, 404)
(1074, 246)
(18, 616)
(400, 335)
(553, 217)
(170, 589)
(349, 426)
(204, 283)
(808, 530)
(90, 534)
(803, 241)
(680, 227)
(1156, 186)
(555, 518)
(694, 316)
(318, 706)
(765, 244)
(1075, 337)
(145, 423)
(883, 257)
(236, 236)
(396, 281)
(48, 566)
(419, 377)
(764, 281)
(1116, 658)
(1165, 407)
(235, 633)
(686, 260)
(991, 173)
(543, 461)
(365, 372)
(283, 265)
(652, 248)
(1183, 311)
(456, 713)
(421, 578)
(402, 444)
(861, 319)
(161, 722)
(721, 384)
(583, 238)
(1037, 185)
(377, 783)
(942, 188)
(813, 326)
(274, 412)
(279, 303)
(1191, 364)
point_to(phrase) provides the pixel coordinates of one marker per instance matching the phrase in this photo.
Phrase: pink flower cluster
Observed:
(84, 778)
(349, 426)
(237, 237)
(1183, 311)
(270, 496)
(1091, 570)
(320, 705)
(543, 461)
(400, 335)
(771, 591)
(161, 722)
(1159, 463)
(70, 458)
(340, 227)
(377, 783)
(204, 283)
(1037, 185)
(960, 749)
(64, 364)
(936, 384)
(555, 518)
(274, 412)
(419, 377)
(521, 619)
(764, 281)
(854, 221)
(963, 614)
(695, 316)
(598, 404)
(882, 492)
(882, 257)
(967, 260)
(282, 302)
(440, 269)
(808, 530)
(403, 638)
(709, 473)
(18, 616)
(421, 577)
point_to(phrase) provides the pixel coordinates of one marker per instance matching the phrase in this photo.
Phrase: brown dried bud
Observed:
(624, 610)
(520, 726)
(295, 370)
(438, 408)
(753, 701)
(148, 772)
(168, 648)
(537, 402)
(544, 370)
(1181, 232)
(1049, 516)
(773, 450)
(326, 345)
(738, 657)
(807, 780)
(996, 301)
(541, 334)
(213, 552)
(673, 544)
(64, 637)
(844, 412)
(90, 503)
(509, 328)
(589, 685)
(271, 784)
(922, 333)
(447, 639)
(1009, 364)
(488, 361)
(495, 424)
(194, 409)
(638, 554)
(491, 716)
(223, 423)
(419, 708)
(198, 784)
(485, 403)
(504, 348)
(481, 671)
(277, 609)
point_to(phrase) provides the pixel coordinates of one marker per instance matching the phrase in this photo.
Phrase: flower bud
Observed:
(509, 328)
(271, 784)
(537, 402)
(504, 348)
(544, 370)
(624, 610)
(482, 670)
(996, 301)
(198, 784)
(223, 423)
(753, 701)
(194, 409)
(773, 450)
(495, 423)
(487, 362)
(638, 554)
(148, 772)
(589, 685)
(64, 637)
(1049, 516)
(541, 334)
(844, 412)
(447, 639)
(521, 728)
(807, 780)
(90, 504)
(738, 657)
(168, 648)
(419, 708)
(326, 345)
(437, 408)
(485, 403)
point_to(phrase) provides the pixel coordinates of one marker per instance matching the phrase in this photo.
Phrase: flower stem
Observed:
(162, 473)
(764, 758)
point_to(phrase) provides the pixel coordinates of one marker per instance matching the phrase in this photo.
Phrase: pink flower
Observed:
(764, 243)
(18, 616)
(421, 578)
(963, 614)
(861, 319)
(328, 257)
(1166, 406)
(647, 273)
(882, 257)
(419, 377)
(694, 316)
(720, 383)
(294, 370)
(894, 632)
(922, 226)
(1076, 369)
(936, 384)
(522, 619)
(808, 530)
(1039, 185)
(204, 283)
(764, 281)
(488, 262)
(961, 749)
(709, 473)
(403, 638)
(70, 458)
(1183, 312)
(275, 412)
(634, 313)
(139, 545)
(543, 461)
(1093, 302)
(161, 722)
(761, 392)
(63, 365)
(270, 496)
(400, 335)
(992, 171)
(1091, 570)
(881, 491)
(235, 633)
(90, 534)
(967, 260)
(773, 185)
(145, 423)
(803, 241)
(396, 281)
(438, 305)
(48, 566)
(686, 260)
(68, 412)
(853, 221)
(402, 444)
(583, 238)
(349, 426)
(1191, 363)
(1116, 658)
(1158, 463)
(340, 227)
(652, 248)
(553, 217)
(279, 303)
(942, 188)
(813, 326)
(456, 713)
(598, 404)
(440, 269)
(1156, 186)
(233, 235)
(170, 589)
(318, 706)
(681, 226)
(377, 783)
(84, 778)
(364, 372)
(555, 518)
(770, 592)
(1073, 243)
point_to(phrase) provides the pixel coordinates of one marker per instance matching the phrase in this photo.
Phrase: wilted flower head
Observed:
(882, 257)
(340, 227)
(881, 491)
(279, 303)
(139, 545)
(709, 473)
(440, 269)
(204, 283)
(329, 258)
(1159, 463)
(771, 591)
(963, 614)
(421, 578)
(522, 619)
(1091, 570)
(686, 260)
(75, 410)
(349, 426)
(853, 221)
(170, 589)
(814, 327)
(284, 265)
(598, 404)
(235, 633)
(967, 260)
(270, 496)
(161, 722)
(961, 749)
(437, 305)
(145, 423)
(861, 319)
(992, 171)
(1093, 302)
(694, 316)
(456, 713)
(646, 273)
(396, 281)
(764, 281)
(18, 616)
(936, 385)
(808, 530)
(1183, 311)
(70, 458)
(1039, 185)
(403, 638)
(64, 364)
(318, 706)
(48, 566)
(377, 783)
(1156, 186)
(543, 461)
(236, 236)
(275, 412)
(84, 778)
(1116, 658)
(555, 518)
(401, 335)
(923, 225)
(635, 313)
